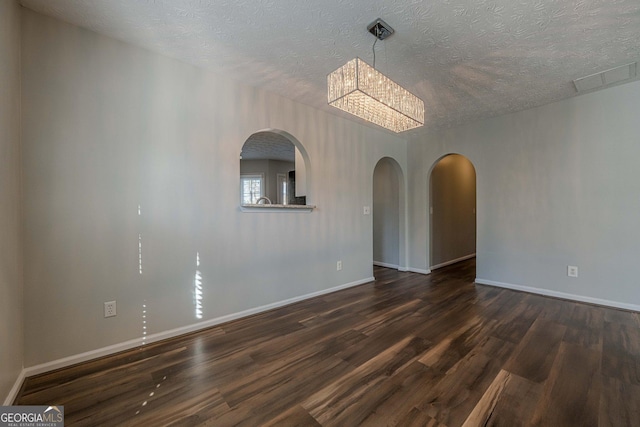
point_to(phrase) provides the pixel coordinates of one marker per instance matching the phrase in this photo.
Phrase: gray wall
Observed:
(107, 127)
(453, 204)
(11, 332)
(556, 185)
(386, 214)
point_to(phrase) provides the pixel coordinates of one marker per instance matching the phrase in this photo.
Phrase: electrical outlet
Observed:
(572, 271)
(339, 266)
(109, 309)
(366, 210)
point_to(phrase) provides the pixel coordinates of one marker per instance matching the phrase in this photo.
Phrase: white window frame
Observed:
(251, 176)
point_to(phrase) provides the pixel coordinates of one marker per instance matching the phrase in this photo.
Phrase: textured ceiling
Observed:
(467, 59)
(268, 145)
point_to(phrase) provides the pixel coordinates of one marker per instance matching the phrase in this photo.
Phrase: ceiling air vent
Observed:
(606, 78)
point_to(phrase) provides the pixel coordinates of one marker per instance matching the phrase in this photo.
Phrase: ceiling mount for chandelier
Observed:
(380, 29)
(361, 90)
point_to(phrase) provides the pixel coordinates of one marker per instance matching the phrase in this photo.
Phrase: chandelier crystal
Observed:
(361, 90)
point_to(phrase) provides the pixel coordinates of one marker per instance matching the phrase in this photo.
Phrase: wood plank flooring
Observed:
(407, 350)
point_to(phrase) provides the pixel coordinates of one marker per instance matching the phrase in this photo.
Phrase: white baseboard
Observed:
(562, 295)
(13, 393)
(453, 261)
(386, 264)
(418, 270)
(127, 345)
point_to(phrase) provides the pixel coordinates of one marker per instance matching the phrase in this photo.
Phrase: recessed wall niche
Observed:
(273, 171)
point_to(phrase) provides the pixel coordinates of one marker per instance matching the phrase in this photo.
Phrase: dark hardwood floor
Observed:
(408, 350)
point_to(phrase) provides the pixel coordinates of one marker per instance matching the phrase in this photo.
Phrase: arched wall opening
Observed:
(452, 211)
(274, 164)
(389, 223)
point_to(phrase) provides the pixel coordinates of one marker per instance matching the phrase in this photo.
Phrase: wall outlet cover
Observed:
(110, 309)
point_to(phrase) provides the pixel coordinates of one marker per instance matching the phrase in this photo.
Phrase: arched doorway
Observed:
(452, 211)
(389, 215)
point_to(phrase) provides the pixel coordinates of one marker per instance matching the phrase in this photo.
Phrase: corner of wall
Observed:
(11, 246)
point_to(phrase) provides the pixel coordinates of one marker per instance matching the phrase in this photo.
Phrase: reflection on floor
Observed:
(408, 349)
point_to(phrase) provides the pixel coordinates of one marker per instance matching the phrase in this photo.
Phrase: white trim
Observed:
(386, 264)
(557, 294)
(419, 270)
(127, 345)
(13, 393)
(453, 261)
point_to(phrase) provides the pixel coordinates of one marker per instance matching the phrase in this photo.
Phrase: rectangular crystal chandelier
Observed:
(361, 90)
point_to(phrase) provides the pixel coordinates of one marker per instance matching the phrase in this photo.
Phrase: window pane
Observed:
(285, 194)
(251, 190)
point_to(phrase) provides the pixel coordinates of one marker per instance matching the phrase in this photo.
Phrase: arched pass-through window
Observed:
(274, 173)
